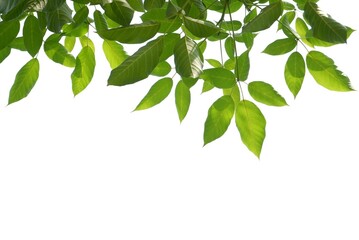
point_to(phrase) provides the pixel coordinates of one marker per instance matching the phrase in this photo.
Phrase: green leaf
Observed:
(294, 72)
(162, 69)
(136, 33)
(119, 11)
(100, 21)
(70, 43)
(214, 63)
(234, 93)
(200, 28)
(251, 125)
(84, 70)
(234, 25)
(281, 46)
(114, 52)
(207, 86)
(183, 99)
(325, 72)
(18, 43)
(58, 53)
(229, 47)
(169, 42)
(146, 59)
(52, 5)
(137, 5)
(188, 59)
(243, 66)
(265, 18)
(157, 93)
(264, 93)
(25, 80)
(4, 53)
(85, 41)
(32, 35)
(151, 4)
(159, 15)
(58, 18)
(8, 32)
(219, 77)
(218, 119)
(324, 27)
(302, 30)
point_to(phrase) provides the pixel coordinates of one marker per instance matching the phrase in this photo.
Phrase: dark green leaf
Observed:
(151, 4)
(8, 32)
(52, 5)
(24, 81)
(234, 25)
(58, 53)
(18, 43)
(100, 21)
(219, 77)
(146, 58)
(136, 33)
(251, 125)
(325, 72)
(294, 72)
(170, 41)
(265, 18)
(157, 93)
(58, 17)
(84, 70)
(281, 46)
(218, 119)
(4, 53)
(32, 35)
(114, 52)
(264, 93)
(136, 5)
(200, 28)
(119, 11)
(159, 15)
(188, 59)
(183, 99)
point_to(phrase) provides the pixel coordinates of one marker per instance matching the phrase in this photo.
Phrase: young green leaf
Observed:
(32, 35)
(251, 125)
(214, 63)
(242, 66)
(265, 18)
(324, 27)
(294, 72)
(264, 93)
(188, 59)
(84, 70)
(234, 93)
(114, 52)
(234, 25)
(25, 80)
(219, 77)
(325, 72)
(200, 28)
(302, 30)
(162, 69)
(218, 119)
(85, 41)
(207, 86)
(182, 99)
(136, 33)
(157, 93)
(146, 59)
(58, 53)
(8, 32)
(69, 43)
(281, 46)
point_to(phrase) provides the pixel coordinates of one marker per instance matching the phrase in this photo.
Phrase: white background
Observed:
(88, 168)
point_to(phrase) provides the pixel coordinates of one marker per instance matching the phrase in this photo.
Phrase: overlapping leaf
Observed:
(114, 52)
(200, 28)
(219, 77)
(8, 32)
(32, 35)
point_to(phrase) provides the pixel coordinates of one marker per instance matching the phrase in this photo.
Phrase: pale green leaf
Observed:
(69, 43)
(219, 77)
(146, 59)
(157, 93)
(182, 99)
(162, 69)
(58, 53)
(84, 70)
(214, 63)
(234, 93)
(281, 46)
(264, 93)
(294, 72)
(25, 80)
(218, 119)
(85, 41)
(251, 125)
(114, 52)
(325, 72)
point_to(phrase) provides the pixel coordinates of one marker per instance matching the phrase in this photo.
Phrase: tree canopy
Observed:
(173, 38)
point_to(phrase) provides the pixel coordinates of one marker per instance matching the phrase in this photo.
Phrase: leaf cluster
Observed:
(174, 36)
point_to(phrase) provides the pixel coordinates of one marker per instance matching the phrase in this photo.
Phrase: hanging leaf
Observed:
(234, 25)
(200, 28)
(157, 93)
(159, 15)
(32, 35)
(114, 52)
(265, 18)
(119, 11)
(324, 27)
(242, 66)
(170, 40)
(4, 53)
(18, 43)
(25, 80)
(281, 46)
(188, 60)
(207, 86)
(229, 47)
(153, 4)
(136, 5)
(84, 70)
(58, 53)
(302, 30)
(325, 72)
(136, 33)
(234, 93)
(219, 77)
(214, 63)
(69, 43)
(183, 99)
(146, 59)
(58, 18)
(251, 125)
(294, 72)
(100, 21)
(8, 32)
(218, 119)
(264, 93)
(162, 69)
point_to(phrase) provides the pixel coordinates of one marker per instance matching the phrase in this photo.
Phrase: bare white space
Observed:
(88, 168)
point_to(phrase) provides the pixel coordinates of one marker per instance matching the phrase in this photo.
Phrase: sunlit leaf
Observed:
(294, 72)
(182, 99)
(242, 66)
(114, 52)
(281, 46)
(264, 93)
(219, 77)
(162, 69)
(69, 43)
(218, 119)
(200, 28)
(58, 53)
(159, 15)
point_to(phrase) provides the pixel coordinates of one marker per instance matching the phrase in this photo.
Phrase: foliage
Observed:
(173, 37)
